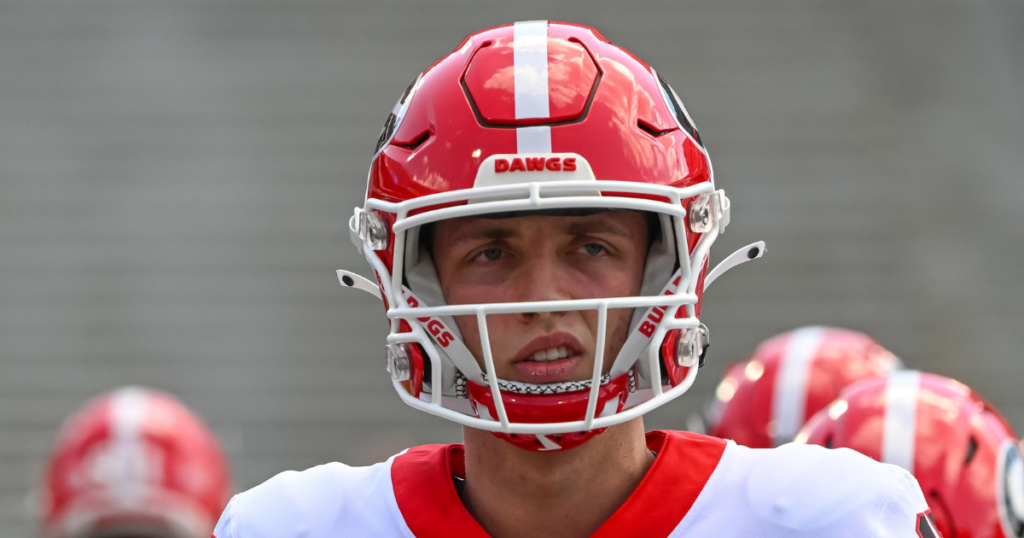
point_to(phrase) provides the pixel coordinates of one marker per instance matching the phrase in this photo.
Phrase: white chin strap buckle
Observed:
(349, 279)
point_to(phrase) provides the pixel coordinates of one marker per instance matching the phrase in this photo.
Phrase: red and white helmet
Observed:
(764, 401)
(134, 462)
(961, 450)
(539, 116)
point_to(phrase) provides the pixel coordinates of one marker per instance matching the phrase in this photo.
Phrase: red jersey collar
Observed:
(422, 481)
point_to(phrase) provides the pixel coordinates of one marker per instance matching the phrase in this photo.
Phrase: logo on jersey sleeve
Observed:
(926, 525)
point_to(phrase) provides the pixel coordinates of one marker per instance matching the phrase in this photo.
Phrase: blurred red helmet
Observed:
(539, 116)
(961, 450)
(764, 401)
(135, 462)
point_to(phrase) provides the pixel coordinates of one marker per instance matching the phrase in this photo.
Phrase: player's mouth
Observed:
(548, 359)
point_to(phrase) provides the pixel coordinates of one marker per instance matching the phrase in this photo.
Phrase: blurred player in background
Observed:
(962, 451)
(134, 463)
(764, 401)
(539, 215)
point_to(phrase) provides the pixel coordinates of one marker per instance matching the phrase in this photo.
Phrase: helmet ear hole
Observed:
(972, 449)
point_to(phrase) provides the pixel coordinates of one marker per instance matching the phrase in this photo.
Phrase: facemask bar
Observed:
(530, 197)
(591, 420)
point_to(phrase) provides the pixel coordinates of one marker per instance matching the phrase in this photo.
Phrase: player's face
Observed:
(542, 258)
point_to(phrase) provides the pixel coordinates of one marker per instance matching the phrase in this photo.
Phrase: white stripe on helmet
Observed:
(127, 407)
(125, 468)
(530, 59)
(901, 393)
(536, 139)
(789, 399)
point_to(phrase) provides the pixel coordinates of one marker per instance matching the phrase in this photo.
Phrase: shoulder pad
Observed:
(810, 487)
(318, 502)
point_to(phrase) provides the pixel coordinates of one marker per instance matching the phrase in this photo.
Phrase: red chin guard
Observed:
(549, 408)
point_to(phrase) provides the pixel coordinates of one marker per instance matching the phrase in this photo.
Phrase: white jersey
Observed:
(697, 486)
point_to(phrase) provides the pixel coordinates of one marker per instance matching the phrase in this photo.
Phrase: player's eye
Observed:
(593, 249)
(491, 254)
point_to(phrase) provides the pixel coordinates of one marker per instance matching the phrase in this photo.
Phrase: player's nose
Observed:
(542, 278)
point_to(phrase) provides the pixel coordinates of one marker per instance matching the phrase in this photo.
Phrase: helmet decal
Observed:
(387, 133)
(510, 169)
(678, 110)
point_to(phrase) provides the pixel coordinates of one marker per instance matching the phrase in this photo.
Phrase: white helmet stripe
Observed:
(535, 139)
(530, 58)
(124, 468)
(126, 411)
(789, 398)
(898, 439)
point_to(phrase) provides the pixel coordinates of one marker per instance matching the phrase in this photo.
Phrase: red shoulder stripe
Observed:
(431, 507)
(422, 480)
(684, 464)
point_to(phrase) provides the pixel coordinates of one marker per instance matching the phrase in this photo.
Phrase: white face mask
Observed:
(413, 293)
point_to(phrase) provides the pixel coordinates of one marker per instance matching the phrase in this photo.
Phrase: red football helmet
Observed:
(550, 117)
(764, 401)
(962, 451)
(134, 462)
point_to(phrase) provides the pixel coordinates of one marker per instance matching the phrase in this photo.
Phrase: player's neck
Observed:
(513, 492)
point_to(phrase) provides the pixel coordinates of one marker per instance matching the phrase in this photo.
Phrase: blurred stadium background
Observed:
(175, 180)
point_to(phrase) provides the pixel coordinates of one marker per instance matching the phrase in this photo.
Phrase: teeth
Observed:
(548, 355)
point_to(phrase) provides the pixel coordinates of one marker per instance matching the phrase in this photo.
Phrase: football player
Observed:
(134, 463)
(764, 401)
(962, 451)
(538, 216)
